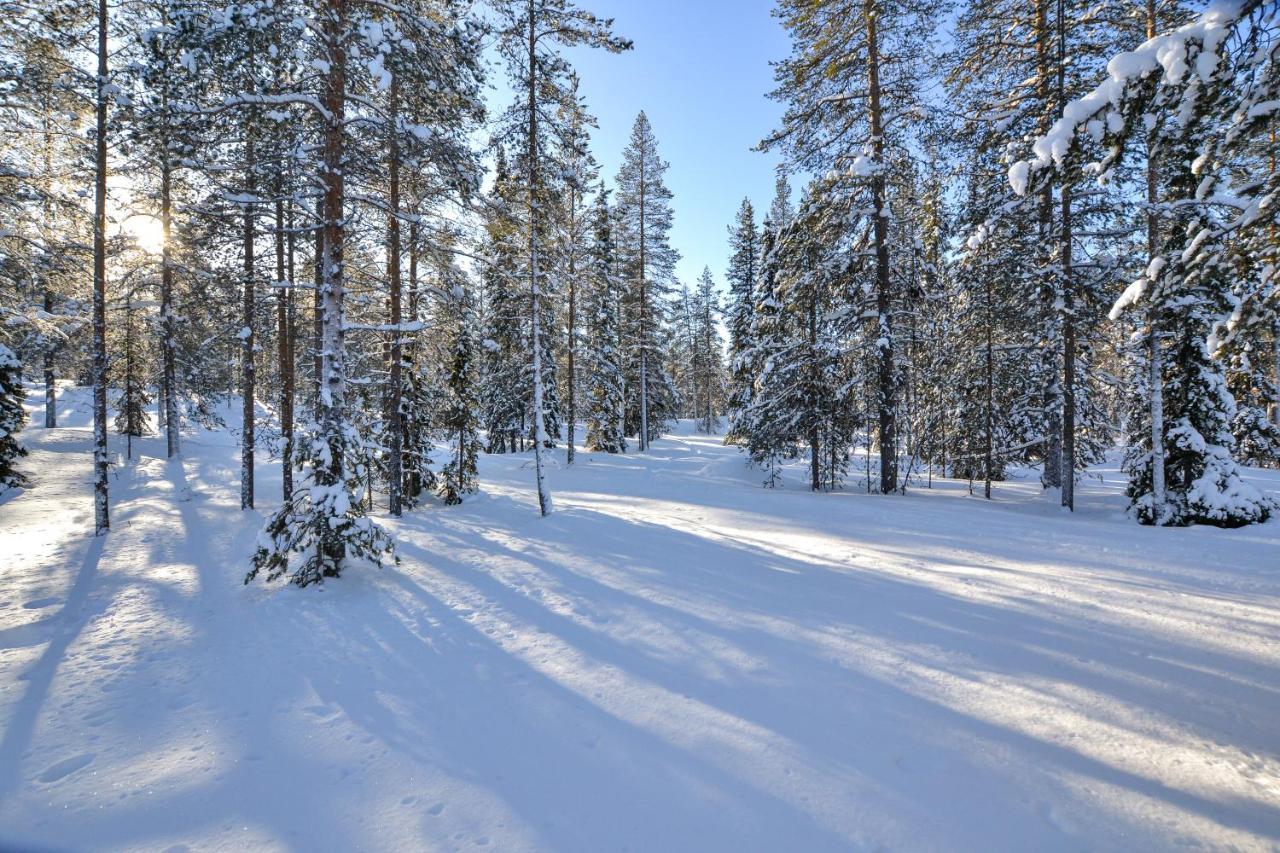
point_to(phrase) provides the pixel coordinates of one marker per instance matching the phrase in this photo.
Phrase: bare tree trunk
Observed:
(815, 476)
(885, 402)
(643, 324)
(168, 341)
(101, 514)
(395, 464)
(573, 322)
(1155, 366)
(317, 308)
(1051, 478)
(284, 342)
(988, 453)
(50, 347)
(50, 381)
(540, 426)
(248, 374)
(1068, 462)
(332, 396)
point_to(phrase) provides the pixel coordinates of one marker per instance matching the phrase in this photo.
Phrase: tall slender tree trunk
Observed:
(50, 380)
(815, 455)
(168, 333)
(284, 342)
(332, 396)
(1068, 463)
(643, 323)
(1155, 361)
(886, 393)
(540, 425)
(1051, 400)
(50, 347)
(988, 439)
(101, 513)
(573, 323)
(317, 306)
(395, 464)
(248, 342)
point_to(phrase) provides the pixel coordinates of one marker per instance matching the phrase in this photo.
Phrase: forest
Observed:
(347, 278)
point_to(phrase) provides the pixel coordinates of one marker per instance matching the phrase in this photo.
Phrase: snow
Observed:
(676, 659)
(1166, 53)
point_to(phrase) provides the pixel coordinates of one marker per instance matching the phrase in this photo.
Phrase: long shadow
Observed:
(72, 619)
(1040, 650)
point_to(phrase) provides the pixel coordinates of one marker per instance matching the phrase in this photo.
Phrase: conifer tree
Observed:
(744, 269)
(531, 33)
(605, 369)
(458, 476)
(1184, 83)
(12, 417)
(648, 264)
(854, 64)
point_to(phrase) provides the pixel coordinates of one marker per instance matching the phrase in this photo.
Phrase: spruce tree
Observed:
(12, 417)
(605, 369)
(458, 477)
(744, 269)
(648, 264)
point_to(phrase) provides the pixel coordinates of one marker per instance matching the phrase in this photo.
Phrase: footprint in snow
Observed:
(65, 768)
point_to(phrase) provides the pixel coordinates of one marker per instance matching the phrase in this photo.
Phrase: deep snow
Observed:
(677, 659)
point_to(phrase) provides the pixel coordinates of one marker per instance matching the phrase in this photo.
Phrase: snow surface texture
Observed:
(677, 659)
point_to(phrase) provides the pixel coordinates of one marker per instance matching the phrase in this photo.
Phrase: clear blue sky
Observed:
(700, 69)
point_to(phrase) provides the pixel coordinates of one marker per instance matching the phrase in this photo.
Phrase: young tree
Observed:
(708, 367)
(853, 74)
(744, 269)
(12, 417)
(605, 369)
(644, 219)
(531, 33)
(1185, 83)
(458, 477)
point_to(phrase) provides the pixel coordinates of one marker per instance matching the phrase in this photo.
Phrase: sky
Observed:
(700, 70)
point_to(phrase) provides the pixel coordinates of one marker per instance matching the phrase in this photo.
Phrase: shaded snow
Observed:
(676, 659)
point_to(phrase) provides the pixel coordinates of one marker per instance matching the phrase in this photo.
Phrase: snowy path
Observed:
(675, 660)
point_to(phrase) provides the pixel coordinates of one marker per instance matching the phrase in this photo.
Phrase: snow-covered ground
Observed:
(676, 659)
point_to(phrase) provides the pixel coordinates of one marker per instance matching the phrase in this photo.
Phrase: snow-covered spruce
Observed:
(323, 527)
(606, 378)
(12, 417)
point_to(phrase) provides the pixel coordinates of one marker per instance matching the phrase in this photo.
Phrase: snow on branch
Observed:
(1191, 48)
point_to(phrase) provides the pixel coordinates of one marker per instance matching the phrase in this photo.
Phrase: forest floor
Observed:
(676, 659)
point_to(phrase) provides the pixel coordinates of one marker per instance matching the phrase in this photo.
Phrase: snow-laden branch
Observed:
(1192, 49)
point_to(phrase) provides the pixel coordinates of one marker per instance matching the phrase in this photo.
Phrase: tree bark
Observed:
(886, 392)
(332, 396)
(395, 464)
(284, 342)
(644, 324)
(1067, 465)
(101, 515)
(248, 374)
(540, 426)
(1155, 366)
(1051, 477)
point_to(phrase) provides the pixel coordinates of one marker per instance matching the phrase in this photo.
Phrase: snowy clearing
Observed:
(676, 659)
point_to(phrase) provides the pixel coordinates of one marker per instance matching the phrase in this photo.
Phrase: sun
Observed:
(149, 233)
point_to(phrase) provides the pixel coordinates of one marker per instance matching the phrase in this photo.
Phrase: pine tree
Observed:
(528, 31)
(458, 477)
(12, 417)
(708, 366)
(1203, 117)
(648, 264)
(605, 370)
(744, 269)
